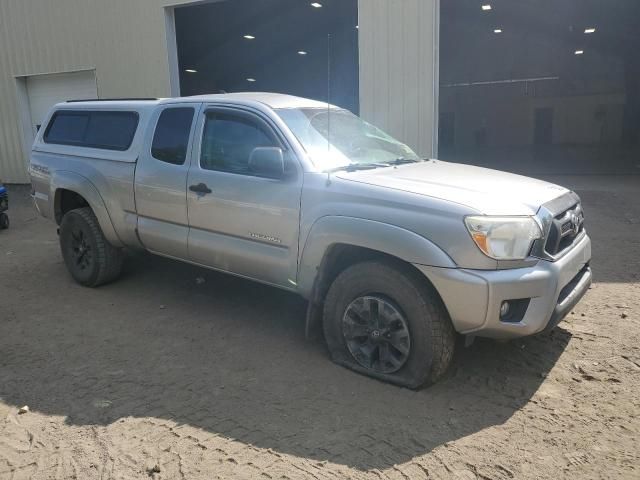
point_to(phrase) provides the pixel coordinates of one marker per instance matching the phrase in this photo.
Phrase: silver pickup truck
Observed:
(397, 255)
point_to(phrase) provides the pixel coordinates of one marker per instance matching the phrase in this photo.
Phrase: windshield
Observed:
(342, 139)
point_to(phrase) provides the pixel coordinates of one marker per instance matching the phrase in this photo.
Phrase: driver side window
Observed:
(228, 140)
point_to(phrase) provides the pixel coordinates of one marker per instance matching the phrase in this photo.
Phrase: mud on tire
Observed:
(376, 299)
(91, 260)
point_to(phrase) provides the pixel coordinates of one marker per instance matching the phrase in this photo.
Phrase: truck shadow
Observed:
(228, 356)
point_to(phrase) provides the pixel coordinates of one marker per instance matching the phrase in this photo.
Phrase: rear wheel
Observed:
(91, 260)
(4, 221)
(385, 321)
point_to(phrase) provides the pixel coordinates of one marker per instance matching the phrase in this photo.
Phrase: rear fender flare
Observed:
(65, 180)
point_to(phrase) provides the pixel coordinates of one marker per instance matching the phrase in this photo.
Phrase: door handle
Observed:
(200, 189)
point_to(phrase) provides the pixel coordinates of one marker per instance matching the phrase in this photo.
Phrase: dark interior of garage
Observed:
(541, 86)
(297, 47)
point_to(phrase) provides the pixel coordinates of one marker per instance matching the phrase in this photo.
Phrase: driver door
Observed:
(239, 222)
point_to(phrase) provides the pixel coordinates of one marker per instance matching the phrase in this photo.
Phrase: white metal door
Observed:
(44, 91)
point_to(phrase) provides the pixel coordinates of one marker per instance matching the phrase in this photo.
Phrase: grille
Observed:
(565, 228)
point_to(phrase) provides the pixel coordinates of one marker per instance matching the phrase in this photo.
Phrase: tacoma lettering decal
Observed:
(266, 238)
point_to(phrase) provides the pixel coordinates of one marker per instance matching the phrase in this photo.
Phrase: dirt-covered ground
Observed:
(177, 372)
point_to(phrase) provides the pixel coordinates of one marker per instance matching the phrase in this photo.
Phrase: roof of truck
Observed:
(273, 100)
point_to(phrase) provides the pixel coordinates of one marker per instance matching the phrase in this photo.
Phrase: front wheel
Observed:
(383, 320)
(4, 221)
(90, 258)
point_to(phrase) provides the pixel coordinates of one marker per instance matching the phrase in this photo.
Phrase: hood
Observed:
(490, 192)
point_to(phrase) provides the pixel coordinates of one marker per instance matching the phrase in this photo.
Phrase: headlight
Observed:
(504, 238)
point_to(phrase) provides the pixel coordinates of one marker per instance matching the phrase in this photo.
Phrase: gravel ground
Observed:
(177, 372)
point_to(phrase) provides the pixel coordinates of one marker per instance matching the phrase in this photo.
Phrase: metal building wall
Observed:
(125, 42)
(399, 69)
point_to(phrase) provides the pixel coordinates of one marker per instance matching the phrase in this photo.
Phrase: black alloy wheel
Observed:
(376, 333)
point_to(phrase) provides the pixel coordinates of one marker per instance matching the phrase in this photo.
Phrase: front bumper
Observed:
(473, 297)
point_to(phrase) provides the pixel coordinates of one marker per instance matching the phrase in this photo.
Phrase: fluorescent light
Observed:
(357, 27)
(191, 70)
(579, 52)
(301, 52)
(486, 7)
(497, 30)
(251, 80)
(590, 30)
(316, 5)
(249, 37)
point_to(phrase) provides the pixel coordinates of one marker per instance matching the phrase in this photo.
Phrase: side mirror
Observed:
(267, 162)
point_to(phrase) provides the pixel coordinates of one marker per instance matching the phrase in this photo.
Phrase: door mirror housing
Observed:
(267, 162)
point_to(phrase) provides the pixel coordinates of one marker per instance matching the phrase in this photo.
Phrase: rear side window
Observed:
(171, 137)
(94, 129)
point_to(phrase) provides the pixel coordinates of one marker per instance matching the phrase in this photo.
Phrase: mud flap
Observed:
(313, 326)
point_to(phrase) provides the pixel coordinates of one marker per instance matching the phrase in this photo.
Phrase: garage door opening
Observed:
(541, 86)
(276, 46)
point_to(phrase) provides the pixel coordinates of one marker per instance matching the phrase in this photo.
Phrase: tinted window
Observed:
(228, 141)
(111, 130)
(172, 135)
(67, 127)
(106, 130)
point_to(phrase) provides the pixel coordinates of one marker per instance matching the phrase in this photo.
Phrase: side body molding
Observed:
(382, 237)
(64, 179)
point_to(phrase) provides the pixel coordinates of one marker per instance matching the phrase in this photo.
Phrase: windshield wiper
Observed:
(401, 161)
(354, 167)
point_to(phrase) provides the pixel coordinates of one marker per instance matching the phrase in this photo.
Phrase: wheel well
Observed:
(338, 258)
(67, 200)
(341, 256)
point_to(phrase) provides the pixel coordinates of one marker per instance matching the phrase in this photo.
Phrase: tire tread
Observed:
(109, 259)
(443, 335)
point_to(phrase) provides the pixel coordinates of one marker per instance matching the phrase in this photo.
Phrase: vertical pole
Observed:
(328, 92)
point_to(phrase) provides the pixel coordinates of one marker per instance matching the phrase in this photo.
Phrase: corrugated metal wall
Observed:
(125, 42)
(398, 69)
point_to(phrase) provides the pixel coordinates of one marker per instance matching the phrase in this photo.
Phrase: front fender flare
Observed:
(382, 237)
(63, 179)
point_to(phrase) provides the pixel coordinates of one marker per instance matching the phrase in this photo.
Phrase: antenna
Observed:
(329, 92)
(328, 103)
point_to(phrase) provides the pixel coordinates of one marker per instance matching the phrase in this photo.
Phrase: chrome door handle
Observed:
(200, 189)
